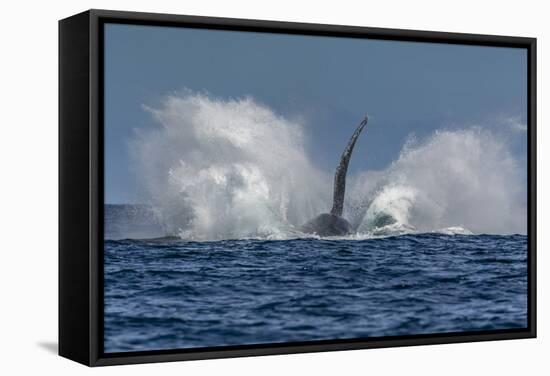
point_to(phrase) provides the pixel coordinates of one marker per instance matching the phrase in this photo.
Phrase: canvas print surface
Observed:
(266, 188)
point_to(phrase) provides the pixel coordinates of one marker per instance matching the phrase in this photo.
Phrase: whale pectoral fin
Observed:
(342, 169)
(332, 224)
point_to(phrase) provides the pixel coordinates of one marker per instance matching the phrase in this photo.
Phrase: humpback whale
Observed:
(332, 224)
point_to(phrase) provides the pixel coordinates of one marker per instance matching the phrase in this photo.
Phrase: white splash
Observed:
(464, 178)
(219, 169)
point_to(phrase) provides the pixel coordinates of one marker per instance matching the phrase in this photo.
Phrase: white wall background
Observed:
(28, 193)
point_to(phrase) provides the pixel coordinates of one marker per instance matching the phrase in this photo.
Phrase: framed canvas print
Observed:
(236, 187)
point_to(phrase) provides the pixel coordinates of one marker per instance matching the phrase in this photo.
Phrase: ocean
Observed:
(171, 293)
(217, 256)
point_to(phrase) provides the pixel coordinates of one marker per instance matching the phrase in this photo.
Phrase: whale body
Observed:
(327, 224)
(332, 224)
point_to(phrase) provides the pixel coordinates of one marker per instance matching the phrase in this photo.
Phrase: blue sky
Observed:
(405, 87)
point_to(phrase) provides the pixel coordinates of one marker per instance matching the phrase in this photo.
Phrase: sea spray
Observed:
(463, 178)
(219, 169)
(232, 168)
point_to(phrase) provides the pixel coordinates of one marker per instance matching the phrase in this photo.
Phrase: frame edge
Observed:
(74, 251)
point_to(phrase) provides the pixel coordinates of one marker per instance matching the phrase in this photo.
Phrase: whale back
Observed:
(327, 225)
(341, 171)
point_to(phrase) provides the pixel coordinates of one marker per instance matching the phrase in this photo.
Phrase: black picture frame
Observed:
(81, 185)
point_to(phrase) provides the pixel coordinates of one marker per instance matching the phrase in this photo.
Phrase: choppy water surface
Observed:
(171, 293)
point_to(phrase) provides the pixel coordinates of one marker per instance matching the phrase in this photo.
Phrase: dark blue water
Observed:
(170, 294)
